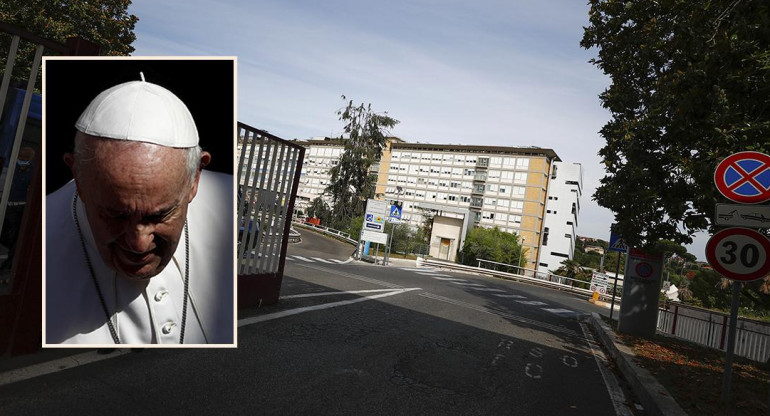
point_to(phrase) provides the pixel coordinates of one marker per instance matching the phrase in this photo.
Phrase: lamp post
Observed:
(521, 251)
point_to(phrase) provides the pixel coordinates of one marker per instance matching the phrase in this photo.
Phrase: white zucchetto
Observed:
(140, 111)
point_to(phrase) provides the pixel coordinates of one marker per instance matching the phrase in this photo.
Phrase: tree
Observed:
(690, 84)
(351, 182)
(318, 209)
(104, 22)
(492, 244)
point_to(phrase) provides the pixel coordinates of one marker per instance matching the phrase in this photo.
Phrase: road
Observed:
(356, 338)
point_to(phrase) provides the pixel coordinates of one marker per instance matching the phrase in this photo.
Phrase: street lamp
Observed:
(521, 251)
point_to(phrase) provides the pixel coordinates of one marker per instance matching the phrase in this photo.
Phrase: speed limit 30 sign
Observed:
(739, 254)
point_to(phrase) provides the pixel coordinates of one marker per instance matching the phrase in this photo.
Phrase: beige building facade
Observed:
(504, 187)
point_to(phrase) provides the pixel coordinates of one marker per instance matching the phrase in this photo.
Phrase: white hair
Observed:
(83, 154)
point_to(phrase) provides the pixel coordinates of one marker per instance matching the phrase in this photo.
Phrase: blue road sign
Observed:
(617, 243)
(395, 212)
(369, 218)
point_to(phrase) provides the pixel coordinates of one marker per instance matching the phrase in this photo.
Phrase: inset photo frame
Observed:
(139, 202)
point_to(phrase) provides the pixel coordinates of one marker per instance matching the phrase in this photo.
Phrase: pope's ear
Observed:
(69, 159)
(205, 160)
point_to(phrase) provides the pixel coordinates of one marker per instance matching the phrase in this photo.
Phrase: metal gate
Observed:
(268, 175)
(20, 300)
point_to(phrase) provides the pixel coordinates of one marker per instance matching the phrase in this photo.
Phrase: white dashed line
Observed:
(501, 295)
(321, 260)
(487, 289)
(561, 312)
(468, 284)
(532, 302)
(303, 259)
(449, 279)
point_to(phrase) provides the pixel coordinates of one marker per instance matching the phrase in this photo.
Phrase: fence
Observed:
(268, 176)
(752, 339)
(20, 300)
(525, 275)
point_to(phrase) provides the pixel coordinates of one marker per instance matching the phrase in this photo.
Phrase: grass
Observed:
(692, 374)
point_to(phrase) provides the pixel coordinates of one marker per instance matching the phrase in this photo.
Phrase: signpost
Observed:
(599, 283)
(740, 254)
(616, 244)
(374, 218)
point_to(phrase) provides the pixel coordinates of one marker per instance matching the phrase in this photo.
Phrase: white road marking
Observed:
(303, 259)
(290, 312)
(417, 269)
(555, 328)
(449, 279)
(532, 302)
(502, 295)
(321, 260)
(617, 397)
(561, 312)
(310, 295)
(536, 374)
(487, 289)
(54, 366)
(342, 261)
(433, 274)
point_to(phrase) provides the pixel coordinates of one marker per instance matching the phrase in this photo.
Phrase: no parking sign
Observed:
(744, 177)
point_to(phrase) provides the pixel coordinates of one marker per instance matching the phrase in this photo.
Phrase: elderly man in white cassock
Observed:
(139, 247)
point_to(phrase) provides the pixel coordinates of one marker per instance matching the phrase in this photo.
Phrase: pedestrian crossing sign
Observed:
(617, 243)
(395, 212)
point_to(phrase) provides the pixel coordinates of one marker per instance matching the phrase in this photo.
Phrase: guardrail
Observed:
(537, 278)
(328, 231)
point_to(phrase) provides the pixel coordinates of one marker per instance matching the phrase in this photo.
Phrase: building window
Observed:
(545, 236)
(553, 253)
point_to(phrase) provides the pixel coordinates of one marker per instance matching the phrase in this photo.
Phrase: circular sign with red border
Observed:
(739, 254)
(744, 177)
(644, 270)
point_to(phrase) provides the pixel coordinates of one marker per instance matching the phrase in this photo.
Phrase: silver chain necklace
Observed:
(113, 332)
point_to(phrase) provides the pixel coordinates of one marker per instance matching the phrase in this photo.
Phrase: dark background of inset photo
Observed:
(205, 86)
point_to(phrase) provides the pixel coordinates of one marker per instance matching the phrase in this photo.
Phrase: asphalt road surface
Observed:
(354, 338)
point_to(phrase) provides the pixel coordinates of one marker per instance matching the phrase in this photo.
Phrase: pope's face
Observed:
(136, 197)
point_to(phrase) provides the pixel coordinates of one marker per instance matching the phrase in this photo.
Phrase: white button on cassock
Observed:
(160, 295)
(168, 327)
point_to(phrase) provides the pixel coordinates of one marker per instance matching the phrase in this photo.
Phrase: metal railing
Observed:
(328, 231)
(526, 275)
(709, 328)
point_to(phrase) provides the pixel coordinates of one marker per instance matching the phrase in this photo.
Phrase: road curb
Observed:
(652, 395)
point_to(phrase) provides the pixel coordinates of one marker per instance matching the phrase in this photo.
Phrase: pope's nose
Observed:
(139, 238)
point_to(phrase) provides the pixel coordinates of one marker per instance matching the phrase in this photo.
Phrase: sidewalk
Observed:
(653, 396)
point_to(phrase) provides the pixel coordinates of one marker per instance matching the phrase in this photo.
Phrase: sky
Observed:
(487, 72)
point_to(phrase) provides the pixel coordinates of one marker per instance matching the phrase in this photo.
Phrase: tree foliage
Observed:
(492, 244)
(690, 85)
(351, 182)
(104, 22)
